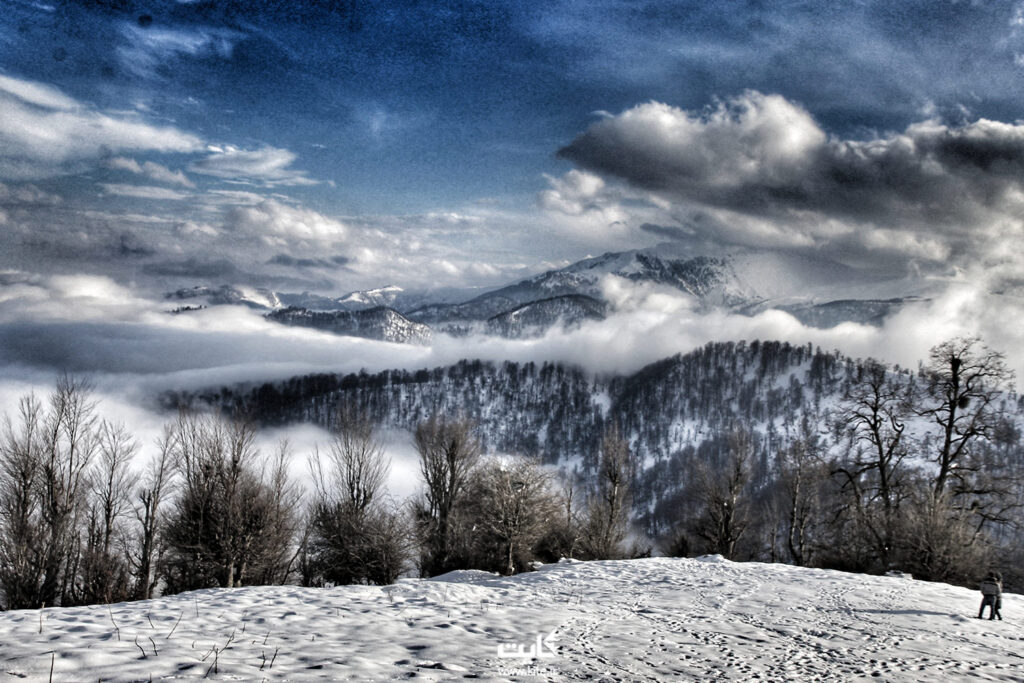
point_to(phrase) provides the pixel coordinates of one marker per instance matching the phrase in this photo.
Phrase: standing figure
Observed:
(991, 595)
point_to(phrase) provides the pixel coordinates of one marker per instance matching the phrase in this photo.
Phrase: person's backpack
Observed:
(989, 587)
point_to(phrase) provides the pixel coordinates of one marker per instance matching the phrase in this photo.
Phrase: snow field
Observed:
(639, 620)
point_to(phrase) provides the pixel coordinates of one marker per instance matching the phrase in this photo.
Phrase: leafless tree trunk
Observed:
(103, 574)
(965, 379)
(285, 522)
(44, 480)
(149, 498)
(518, 506)
(608, 509)
(801, 474)
(21, 526)
(874, 413)
(448, 454)
(725, 516)
(69, 444)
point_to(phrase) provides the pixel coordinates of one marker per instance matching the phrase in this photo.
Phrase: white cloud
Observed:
(45, 133)
(27, 194)
(219, 198)
(150, 169)
(193, 228)
(143, 191)
(266, 165)
(67, 298)
(37, 94)
(574, 194)
(278, 224)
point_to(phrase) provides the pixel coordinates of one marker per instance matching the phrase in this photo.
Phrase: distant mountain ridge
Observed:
(380, 323)
(818, 292)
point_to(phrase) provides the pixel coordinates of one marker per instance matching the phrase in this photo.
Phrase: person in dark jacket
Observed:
(991, 595)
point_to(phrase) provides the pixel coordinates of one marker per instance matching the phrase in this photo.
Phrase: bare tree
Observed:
(356, 467)
(874, 413)
(21, 527)
(44, 484)
(220, 530)
(563, 536)
(801, 473)
(104, 574)
(607, 514)
(518, 507)
(964, 382)
(448, 454)
(726, 507)
(940, 541)
(69, 444)
(355, 534)
(149, 498)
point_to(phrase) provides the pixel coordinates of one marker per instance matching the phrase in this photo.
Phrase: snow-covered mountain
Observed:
(228, 295)
(654, 619)
(380, 323)
(371, 298)
(738, 279)
(818, 292)
(534, 318)
(700, 276)
(353, 301)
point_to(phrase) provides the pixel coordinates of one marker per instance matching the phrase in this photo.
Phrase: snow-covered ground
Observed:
(641, 620)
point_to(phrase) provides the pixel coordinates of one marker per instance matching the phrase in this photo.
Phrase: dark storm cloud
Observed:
(766, 157)
(131, 246)
(671, 232)
(294, 262)
(193, 267)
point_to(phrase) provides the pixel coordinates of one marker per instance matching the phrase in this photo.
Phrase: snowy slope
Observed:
(535, 318)
(353, 301)
(380, 323)
(640, 620)
(227, 295)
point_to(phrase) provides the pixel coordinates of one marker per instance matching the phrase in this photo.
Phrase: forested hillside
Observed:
(678, 414)
(760, 451)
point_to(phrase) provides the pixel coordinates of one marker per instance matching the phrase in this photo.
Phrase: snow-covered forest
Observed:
(758, 451)
(820, 458)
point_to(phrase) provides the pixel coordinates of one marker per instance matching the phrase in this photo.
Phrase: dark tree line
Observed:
(859, 466)
(80, 525)
(915, 472)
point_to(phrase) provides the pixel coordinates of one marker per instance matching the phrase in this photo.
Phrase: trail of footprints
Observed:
(851, 636)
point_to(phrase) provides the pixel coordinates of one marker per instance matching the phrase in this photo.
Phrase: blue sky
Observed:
(339, 145)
